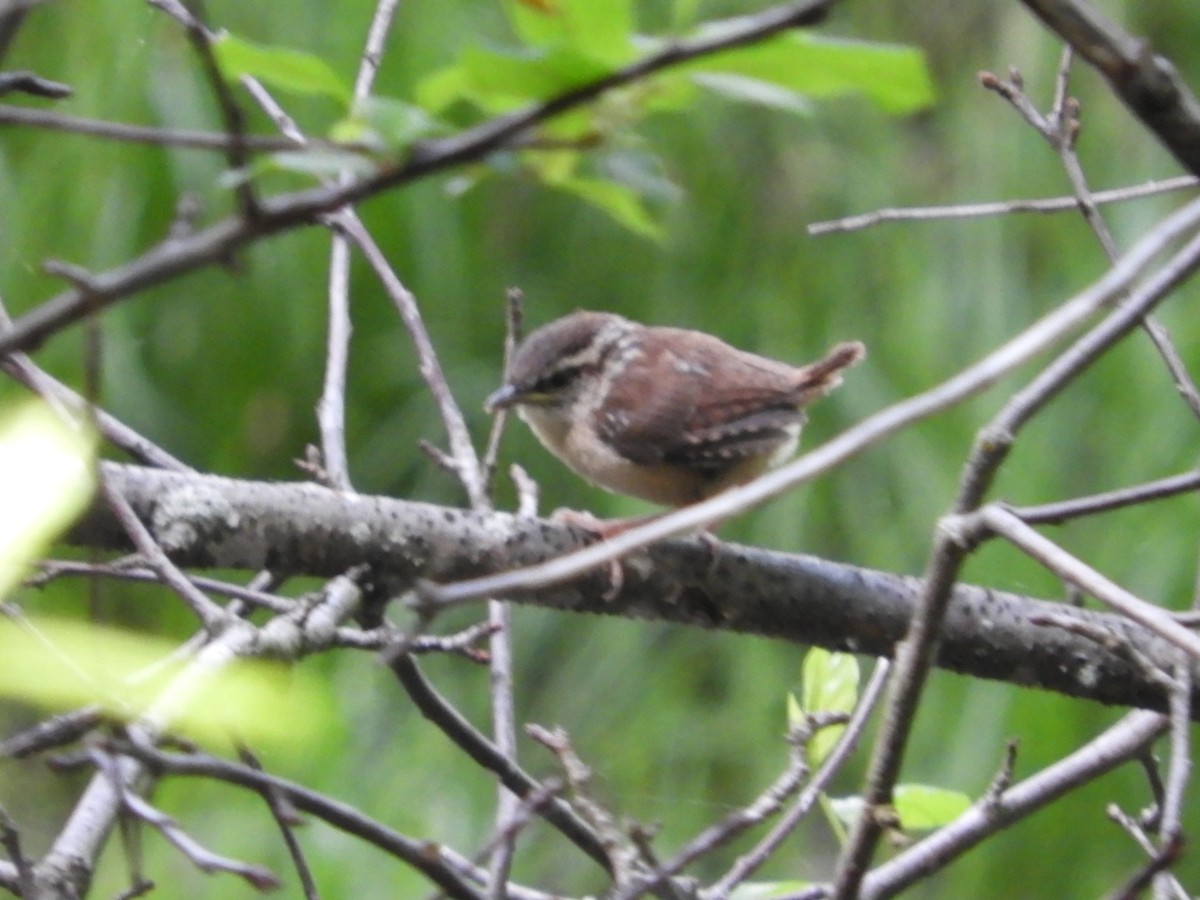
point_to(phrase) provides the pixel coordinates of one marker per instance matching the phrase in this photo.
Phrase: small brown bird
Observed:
(664, 414)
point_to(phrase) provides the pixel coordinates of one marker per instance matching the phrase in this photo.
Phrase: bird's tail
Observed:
(819, 378)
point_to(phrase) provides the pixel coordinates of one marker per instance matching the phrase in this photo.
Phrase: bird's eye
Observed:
(558, 380)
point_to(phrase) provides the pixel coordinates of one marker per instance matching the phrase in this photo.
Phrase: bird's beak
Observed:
(503, 398)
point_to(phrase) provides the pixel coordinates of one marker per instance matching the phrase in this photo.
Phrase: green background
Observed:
(223, 368)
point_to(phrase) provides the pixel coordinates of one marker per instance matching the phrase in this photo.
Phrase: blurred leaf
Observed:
(46, 478)
(846, 809)
(765, 890)
(280, 67)
(387, 124)
(894, 77)
(830, 685)
(623, 204)
(598, 29)
(60, 664)
(499, 81)
(322, 163)
(795, 712)
(922, 807)
(751, 90)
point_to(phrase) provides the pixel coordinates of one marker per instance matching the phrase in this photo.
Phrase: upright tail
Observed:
(819, 378)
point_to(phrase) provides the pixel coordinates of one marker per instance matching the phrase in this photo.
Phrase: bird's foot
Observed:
(602, 530)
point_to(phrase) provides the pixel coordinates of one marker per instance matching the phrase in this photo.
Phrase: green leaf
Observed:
(499, 81)
(751, 90)
(46, 478)
(922, 807)
(598, 29)
(919, 807)
(846, 809)
(387, 124)
(830, 685)
(830, 681)
(894, 77)
(795, 712)
(623, 204)
(62, 664)
(280, 67)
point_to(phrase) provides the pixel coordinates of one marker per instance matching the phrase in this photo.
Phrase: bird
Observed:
(672, 416)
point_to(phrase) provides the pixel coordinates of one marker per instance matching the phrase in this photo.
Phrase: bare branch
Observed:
(26, 82)
(159, 137)
(1063, 510)
(1146, 82)
(476, 745)
(307, 529)
(1001, 207)
(749, 863)
(416, 853)
(1119, 744)
(1071, 569)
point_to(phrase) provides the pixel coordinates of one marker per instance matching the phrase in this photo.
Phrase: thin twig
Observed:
(205, 860)
(31, 83)
(1119, 744)
(231, 112)
(462, 449)
(209, 613)
(421, 855)
(10, 840)
(74, 407)
(158, 137)
(1064, 510)
(57, 731)
(513, 320)
(1156, 864)
(839, 755)
(59, 568)
(914, 656)
(1179, 773)
(999, 208)
(483, 751)
(1003, 523)
(331, 408)
(1060, 128)
(285, 817)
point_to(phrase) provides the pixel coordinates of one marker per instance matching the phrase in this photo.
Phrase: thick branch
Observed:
(1147, 83)
(203, 520)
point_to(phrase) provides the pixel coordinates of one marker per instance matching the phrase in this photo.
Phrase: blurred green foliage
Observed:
(223, 368)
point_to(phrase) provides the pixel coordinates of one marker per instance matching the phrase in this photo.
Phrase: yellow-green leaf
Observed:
(894, 77)
(46, 478)
(621, 203)
(61, 664)
(280, 67)
(922, 807)
(830, 685)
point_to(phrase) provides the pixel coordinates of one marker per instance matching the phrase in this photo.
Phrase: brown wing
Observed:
(692, 400)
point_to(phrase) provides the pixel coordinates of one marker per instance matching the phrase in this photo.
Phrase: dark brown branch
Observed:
(306, 529)
(483, 751)
(31, 83)
(419, 854)
(1147, 83)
